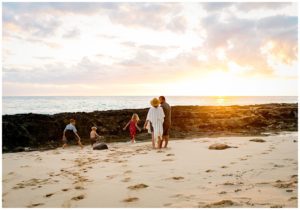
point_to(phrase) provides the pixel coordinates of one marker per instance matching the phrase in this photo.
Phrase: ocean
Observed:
(58, 104)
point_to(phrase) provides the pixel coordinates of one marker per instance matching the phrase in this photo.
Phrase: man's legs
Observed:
(161, 142)
(166, 140)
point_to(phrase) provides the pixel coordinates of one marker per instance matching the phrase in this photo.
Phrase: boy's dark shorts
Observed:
(70, 136)
(93, 140)
(166, 129)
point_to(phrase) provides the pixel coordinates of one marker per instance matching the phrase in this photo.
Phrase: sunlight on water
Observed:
(220, 100)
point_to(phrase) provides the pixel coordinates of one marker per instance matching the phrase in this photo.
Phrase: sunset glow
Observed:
(219, 49)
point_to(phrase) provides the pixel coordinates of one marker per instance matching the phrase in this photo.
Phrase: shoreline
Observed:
(45, 131)
(143, 108)
(187, 174)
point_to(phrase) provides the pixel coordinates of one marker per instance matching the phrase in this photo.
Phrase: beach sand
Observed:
(188, 174)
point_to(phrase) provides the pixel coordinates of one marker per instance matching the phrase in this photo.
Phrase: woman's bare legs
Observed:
(153, 141)
(159, 142)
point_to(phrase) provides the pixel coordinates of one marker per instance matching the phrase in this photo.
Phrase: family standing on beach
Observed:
(158, 123)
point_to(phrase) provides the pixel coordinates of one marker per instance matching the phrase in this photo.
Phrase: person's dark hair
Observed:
(162, 97)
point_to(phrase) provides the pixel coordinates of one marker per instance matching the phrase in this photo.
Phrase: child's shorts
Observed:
(93, 140)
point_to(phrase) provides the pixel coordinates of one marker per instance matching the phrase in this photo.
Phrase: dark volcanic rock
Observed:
(218, 146)
(258, 140)
(36, 130)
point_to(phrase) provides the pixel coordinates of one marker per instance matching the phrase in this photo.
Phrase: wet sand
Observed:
(188, 174)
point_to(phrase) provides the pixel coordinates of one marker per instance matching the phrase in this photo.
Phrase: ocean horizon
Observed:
(59, 104)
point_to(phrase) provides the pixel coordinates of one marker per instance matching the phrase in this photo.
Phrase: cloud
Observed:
(249, 6)
(216, 6)
(59, 7)
(244, 6)
(84, 71)
(144, 42)
(44, 26)
(74, 33)
(177, 24)
(242, 39)
(149, 15)
(156, 16)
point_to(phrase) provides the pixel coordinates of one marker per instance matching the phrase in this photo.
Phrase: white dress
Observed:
(156, 117)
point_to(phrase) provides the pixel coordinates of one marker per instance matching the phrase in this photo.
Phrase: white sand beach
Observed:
(188, 174)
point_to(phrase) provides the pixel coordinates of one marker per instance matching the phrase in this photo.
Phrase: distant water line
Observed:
(58, 104)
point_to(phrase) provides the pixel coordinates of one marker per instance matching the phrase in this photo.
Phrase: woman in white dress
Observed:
(154, 122)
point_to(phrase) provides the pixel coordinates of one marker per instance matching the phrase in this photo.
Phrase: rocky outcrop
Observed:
(219, 146)
(45, 131)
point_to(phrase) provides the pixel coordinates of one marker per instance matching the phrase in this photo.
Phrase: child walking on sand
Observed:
(94, 135)
(133, 126)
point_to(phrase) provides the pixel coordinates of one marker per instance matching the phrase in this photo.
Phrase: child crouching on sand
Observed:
(70, 134)
(133, 126)
(94, 135)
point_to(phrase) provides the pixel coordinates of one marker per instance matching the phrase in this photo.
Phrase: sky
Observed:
(127, 49)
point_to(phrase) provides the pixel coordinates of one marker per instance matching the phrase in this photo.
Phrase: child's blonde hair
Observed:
(135, 117)
(94, 128)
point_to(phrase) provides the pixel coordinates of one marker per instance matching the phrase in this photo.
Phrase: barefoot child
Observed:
(94, 135)
(70, 133)
(133, 126)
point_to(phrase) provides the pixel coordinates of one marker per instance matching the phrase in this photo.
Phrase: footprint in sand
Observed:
(276, 206)
(170, 154)
(223, 203)
(128, 172)
(49, 195)
(121, 161)
(209, 171)
(293, 198)
(167, 204)
(131, 199)
(228, 183)
(35, 205)
(38, 159)
(127, 179)
(111, 176)
(177, 177)
(137, 186)
(167, 160)
(77, 198)
(79, 188)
